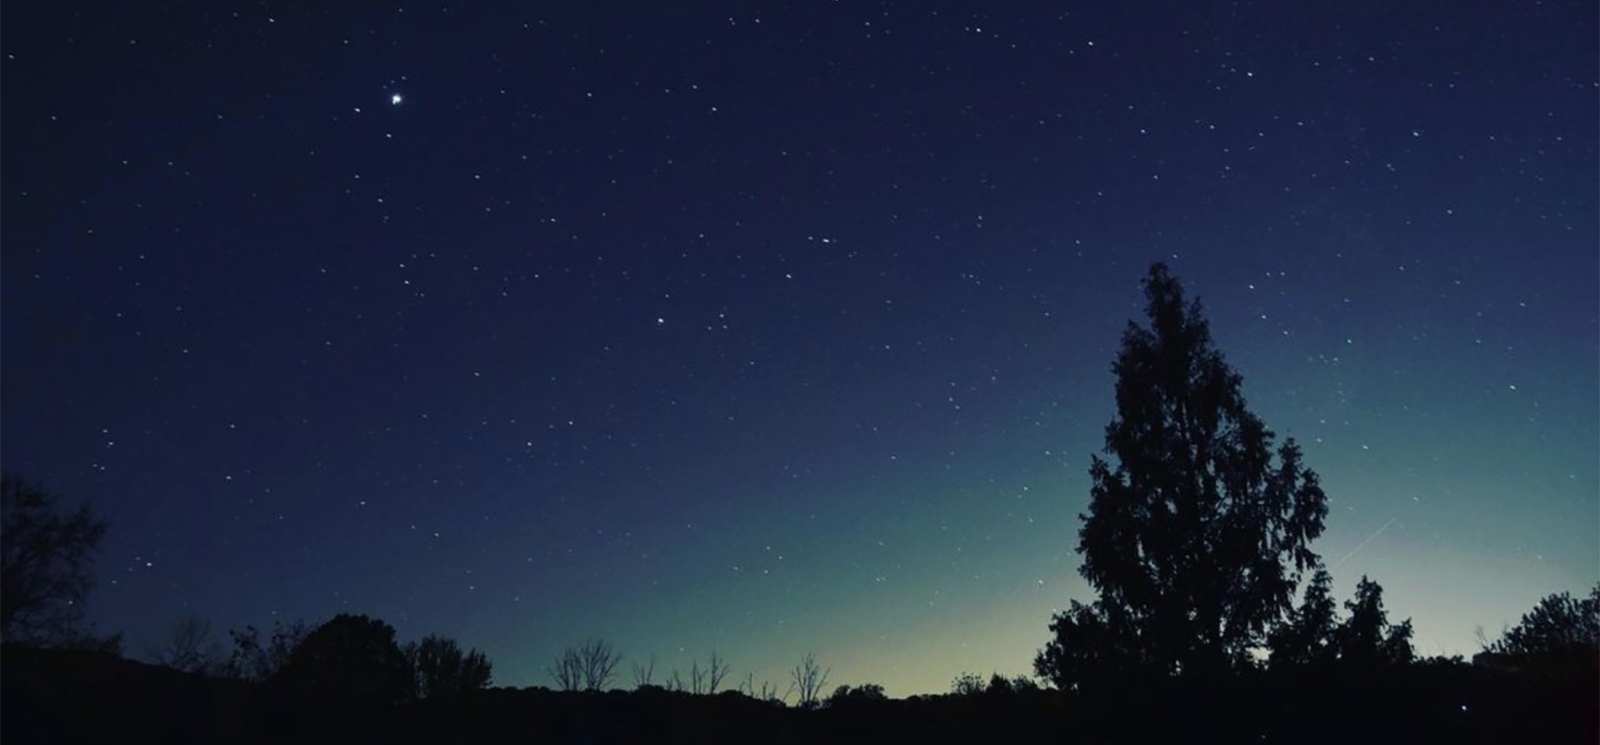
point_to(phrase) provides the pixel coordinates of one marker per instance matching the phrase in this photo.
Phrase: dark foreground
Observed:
(79, 697)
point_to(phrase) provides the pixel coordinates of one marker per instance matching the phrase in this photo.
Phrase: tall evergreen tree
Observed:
(1196, 535)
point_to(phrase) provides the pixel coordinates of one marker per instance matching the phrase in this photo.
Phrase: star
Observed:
(394, 100)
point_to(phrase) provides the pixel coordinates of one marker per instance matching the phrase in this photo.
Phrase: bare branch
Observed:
(567, 672)
(715, 672)
(644, 675)
(588, 667)
(807, 680)
(190, 648)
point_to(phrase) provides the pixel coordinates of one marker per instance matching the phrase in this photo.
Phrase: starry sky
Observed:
(776, 328)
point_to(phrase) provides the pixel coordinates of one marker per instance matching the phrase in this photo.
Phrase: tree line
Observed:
(1197, 541)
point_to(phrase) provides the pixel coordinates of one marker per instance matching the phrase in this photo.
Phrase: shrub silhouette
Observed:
(966, 684)
(441, 668)
(348, 665)
(865, 694)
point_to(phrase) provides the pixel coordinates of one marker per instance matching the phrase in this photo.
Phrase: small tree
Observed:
(967, 684)
(442, 668)
(191, 648)
(1367, 639)
(1307, 636)
(644, 675)
(588, 667)
(45, 558)
(806, 680)
(708, 679)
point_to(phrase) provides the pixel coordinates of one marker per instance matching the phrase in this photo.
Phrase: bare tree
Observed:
(716, 670)
(708, 679)
(567, 672)
(806, 680)
(675, 681)
(588, 667)
(191, 648)
(644, 675)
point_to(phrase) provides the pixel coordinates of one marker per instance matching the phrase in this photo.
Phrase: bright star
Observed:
(395, 99)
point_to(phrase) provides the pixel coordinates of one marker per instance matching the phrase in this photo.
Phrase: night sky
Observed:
(776, 328)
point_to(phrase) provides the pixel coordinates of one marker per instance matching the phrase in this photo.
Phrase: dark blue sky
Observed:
(775, 328)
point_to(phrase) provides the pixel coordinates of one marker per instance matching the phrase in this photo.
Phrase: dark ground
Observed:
(80, 697)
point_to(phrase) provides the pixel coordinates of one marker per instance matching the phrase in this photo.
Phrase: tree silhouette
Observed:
(585, 668)
(708, 679)
(806, 680)
(442, 668)
(191, 648)
(1558, 631)
(1366, 639)
(257, 662)
(45, 559)
(350, 663)
(1000, 685)
(1196, 536)
(644, 675)
(847, 697)
(1307, 636)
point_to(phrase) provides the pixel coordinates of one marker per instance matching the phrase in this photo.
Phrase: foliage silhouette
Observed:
(966, 684)
(45, 560)
(441, 667)
(1366, 639)
(257, 662)
(1000, 685)
(1086, 649)
(1307, 635)
(861, 695)
(350, 664)
(1196, 535)
(1559, 624)
(1561, 635)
